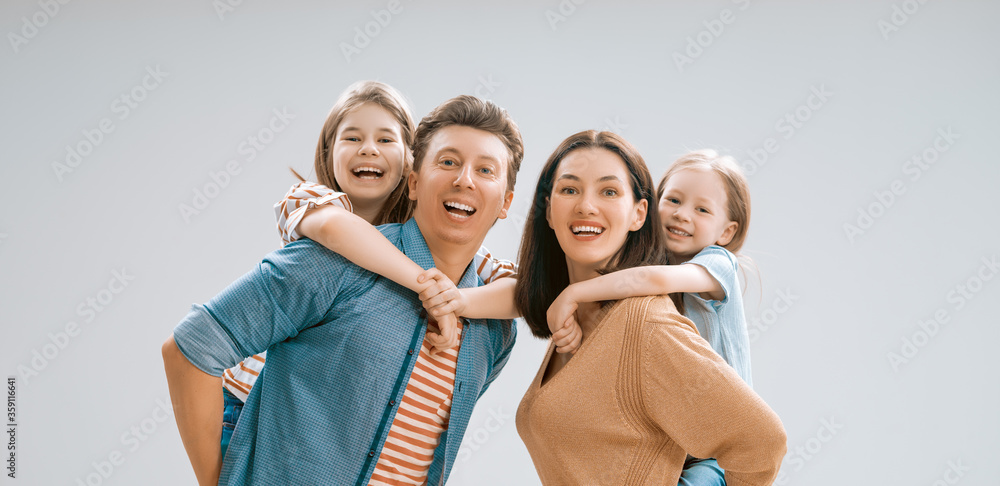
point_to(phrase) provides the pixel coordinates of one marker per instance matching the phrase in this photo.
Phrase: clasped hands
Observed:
(445, 303)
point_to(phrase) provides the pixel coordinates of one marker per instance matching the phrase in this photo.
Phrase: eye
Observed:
(486, 171)
(672, 200)
(610, 192)
(448, 163)
(568, 191)
(352, 139)
(386, 140)
(703, 210)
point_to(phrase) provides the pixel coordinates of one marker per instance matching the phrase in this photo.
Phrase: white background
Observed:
(896, 79)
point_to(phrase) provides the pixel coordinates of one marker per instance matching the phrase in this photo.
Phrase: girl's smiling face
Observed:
(693, 212)
(591, 209)
(368, 155)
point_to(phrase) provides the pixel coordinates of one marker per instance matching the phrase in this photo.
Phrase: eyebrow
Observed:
(383, 129)
(602, 179)
(453, 150)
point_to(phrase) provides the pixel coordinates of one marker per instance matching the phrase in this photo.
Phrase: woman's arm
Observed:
(704, 406)
(197, 402)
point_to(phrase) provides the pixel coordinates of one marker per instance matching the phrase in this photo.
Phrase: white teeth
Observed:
(461, 206)
(587, 229)
(367, 169)
(678, 232)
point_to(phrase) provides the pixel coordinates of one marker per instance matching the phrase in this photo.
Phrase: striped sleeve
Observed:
(299, 199)
(490, 269)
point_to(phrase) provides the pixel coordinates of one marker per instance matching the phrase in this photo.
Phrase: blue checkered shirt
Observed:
(341, 343)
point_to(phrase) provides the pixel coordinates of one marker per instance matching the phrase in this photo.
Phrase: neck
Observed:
(450, 258)
(580, 272)
(368, 212)
(673, 259)
(586, 316)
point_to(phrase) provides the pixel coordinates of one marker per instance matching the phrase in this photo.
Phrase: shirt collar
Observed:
(415, 247)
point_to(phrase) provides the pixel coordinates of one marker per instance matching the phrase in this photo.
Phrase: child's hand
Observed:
(566, 332)
(440, 296)
(447, 335)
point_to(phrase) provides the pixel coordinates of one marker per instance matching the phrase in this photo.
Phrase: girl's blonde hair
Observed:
(737, 189)
(397, 206)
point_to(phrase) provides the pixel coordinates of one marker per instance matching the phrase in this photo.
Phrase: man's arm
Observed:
(292, 289)
(197, 400)
(706, 408)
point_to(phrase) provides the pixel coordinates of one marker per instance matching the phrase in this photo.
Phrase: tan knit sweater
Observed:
(642, 392)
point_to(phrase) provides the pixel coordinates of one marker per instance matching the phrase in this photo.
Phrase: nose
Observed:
(585, 205)
(464, 178)
(682, 214)
(368, 147)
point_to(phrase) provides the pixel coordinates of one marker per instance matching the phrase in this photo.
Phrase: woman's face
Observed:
(592, 210)
(368, 154)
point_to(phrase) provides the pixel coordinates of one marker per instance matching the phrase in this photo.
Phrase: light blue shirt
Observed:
(722, 322)
(341, 345)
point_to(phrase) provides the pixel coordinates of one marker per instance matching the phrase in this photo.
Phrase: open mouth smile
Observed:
(459, 210)
(368, 173)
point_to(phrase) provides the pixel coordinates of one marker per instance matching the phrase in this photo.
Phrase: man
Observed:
(339, 398)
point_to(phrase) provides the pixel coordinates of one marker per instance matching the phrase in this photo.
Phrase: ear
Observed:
(640, 215)
(411, 181)
(507, 199)
(728, 233)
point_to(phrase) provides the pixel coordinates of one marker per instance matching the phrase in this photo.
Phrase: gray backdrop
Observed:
(865, 127)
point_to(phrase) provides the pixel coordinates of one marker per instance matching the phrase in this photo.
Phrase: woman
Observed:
(644, 390)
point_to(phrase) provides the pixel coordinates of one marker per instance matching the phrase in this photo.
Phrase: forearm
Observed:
(353, 238)
(642, 281)
(197, 401)
(492, 301)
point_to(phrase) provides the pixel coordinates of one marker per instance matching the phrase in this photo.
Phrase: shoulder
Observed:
(490, 268)
(655, 321)
(392, 232)
(715, 256)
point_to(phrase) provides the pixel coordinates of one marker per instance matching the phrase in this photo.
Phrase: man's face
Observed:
(461, 189)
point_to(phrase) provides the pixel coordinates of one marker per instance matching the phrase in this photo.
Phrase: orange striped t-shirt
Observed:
(421, 418)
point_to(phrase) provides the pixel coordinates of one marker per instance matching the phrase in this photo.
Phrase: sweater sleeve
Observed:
(703, 405)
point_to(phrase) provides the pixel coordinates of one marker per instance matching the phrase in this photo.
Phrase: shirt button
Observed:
(371, 453)
(392, 402)
(410, 352)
